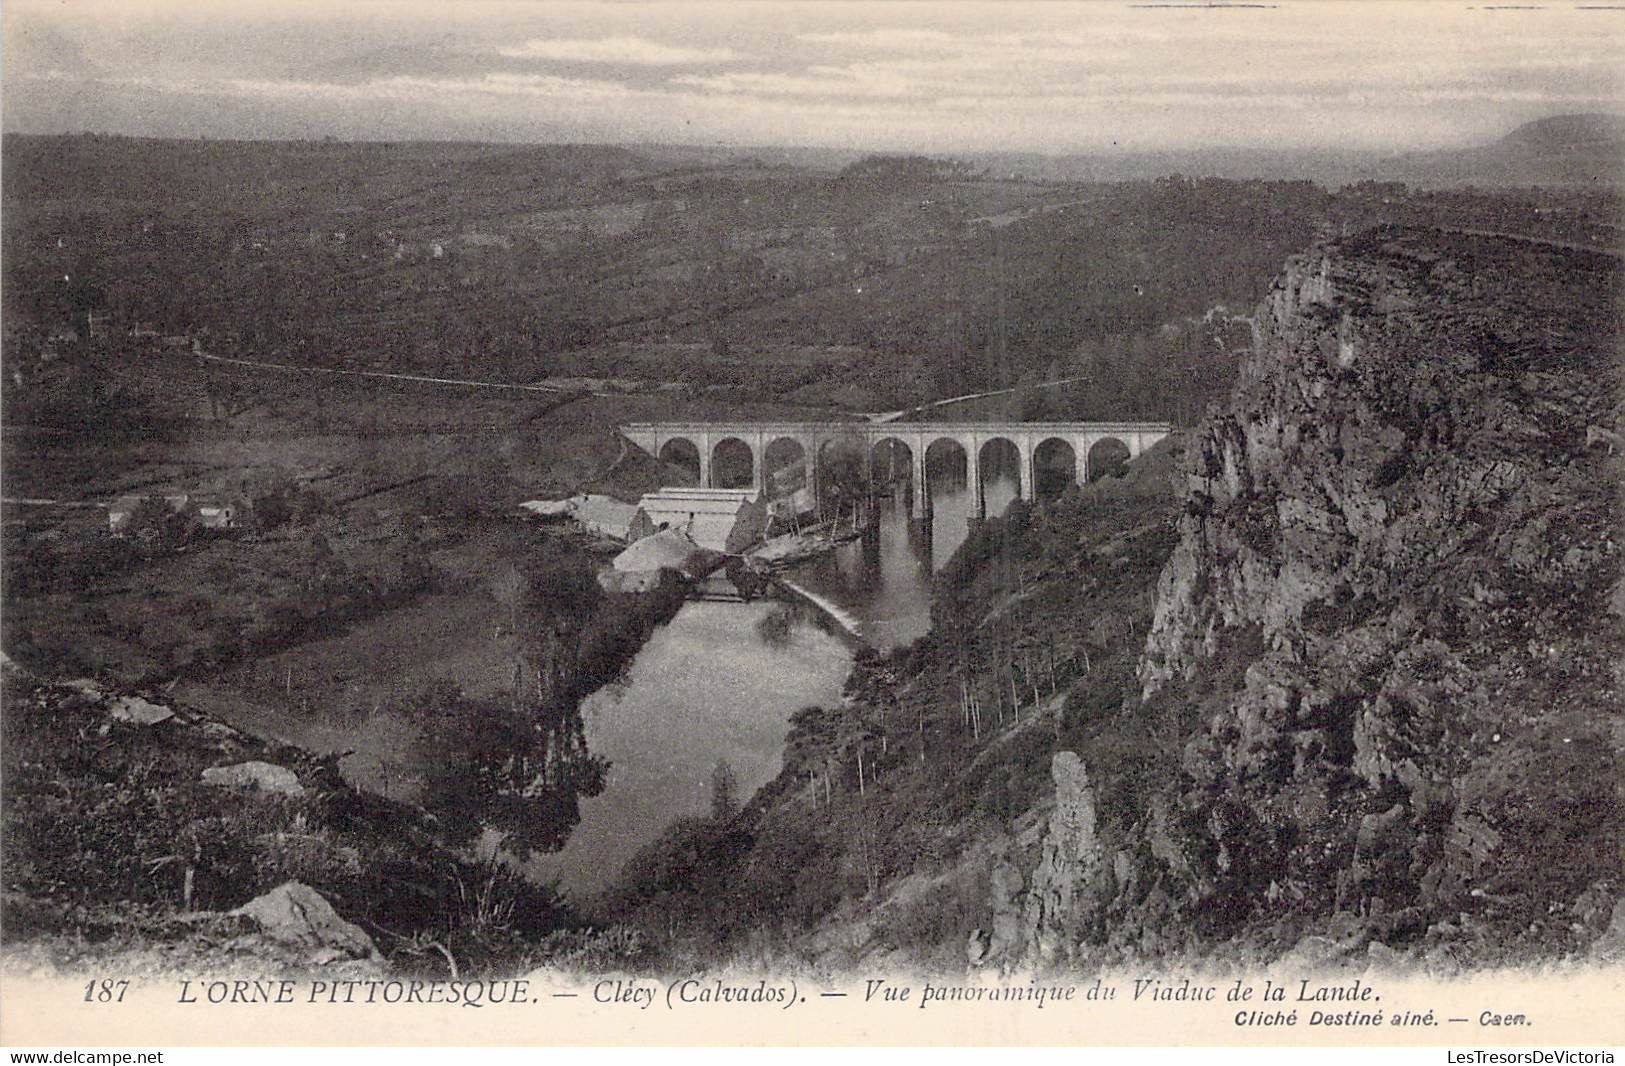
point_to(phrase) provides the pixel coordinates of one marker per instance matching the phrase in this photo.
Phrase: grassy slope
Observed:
(107, 825)
(606, 246)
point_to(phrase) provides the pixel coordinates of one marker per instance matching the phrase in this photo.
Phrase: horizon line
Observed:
(1113, 151)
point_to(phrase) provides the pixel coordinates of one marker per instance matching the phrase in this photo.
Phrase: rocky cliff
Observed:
(1394, 607)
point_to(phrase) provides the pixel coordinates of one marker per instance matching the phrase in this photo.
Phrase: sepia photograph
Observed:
(591, 523)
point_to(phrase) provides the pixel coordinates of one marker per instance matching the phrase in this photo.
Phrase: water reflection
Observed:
(705, 688)
(884, 579)
(518, 764)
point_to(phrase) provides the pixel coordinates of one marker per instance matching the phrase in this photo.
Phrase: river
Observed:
(708, 686)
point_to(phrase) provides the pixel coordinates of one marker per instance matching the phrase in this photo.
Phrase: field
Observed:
(308, 619)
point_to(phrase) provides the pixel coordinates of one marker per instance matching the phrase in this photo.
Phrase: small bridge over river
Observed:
(763, 448)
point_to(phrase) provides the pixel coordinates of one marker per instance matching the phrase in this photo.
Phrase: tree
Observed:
(508, 586)
(153, 519)
(493, 765)
(270, 501)
(1027, 402)
(520, 766)
(724, 791)
(843, 473)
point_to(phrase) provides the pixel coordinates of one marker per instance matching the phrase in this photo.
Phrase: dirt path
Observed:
(30, 501)
(892, 416)
(466, 382)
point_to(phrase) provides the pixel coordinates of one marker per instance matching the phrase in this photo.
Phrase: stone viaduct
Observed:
(765, 445)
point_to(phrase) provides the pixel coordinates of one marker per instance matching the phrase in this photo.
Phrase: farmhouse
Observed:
(216, 515)
(724, 520)
(128, 513)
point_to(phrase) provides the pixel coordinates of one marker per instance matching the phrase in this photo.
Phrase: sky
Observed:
(1053, 77)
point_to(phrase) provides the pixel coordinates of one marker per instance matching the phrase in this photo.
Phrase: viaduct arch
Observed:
(1036, 445)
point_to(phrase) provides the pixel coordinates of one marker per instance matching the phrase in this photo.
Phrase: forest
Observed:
(895, 279)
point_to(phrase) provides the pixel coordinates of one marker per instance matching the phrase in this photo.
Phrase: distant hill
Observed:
(1329, 167)
(1567, 150)
(1564, 150)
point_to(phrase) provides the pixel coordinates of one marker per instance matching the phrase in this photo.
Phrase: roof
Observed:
(603, 514)
(684, 492)
(667, 549)
(696, 501)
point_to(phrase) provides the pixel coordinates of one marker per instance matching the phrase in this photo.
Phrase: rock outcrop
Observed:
(256, 776)
(138, 711)
(1389, 610)
(296, 915)
(1398, 544)
(1073, 881)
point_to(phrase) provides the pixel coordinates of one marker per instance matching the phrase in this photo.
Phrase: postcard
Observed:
(1090, 524)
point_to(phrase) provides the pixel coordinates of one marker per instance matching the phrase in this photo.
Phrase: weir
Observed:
(843, 618)
(972, 439)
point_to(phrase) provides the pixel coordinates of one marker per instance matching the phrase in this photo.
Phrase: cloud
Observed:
(854, 80)
(1055, 76)
(904, 39)
(401, 87)
(634, 50)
